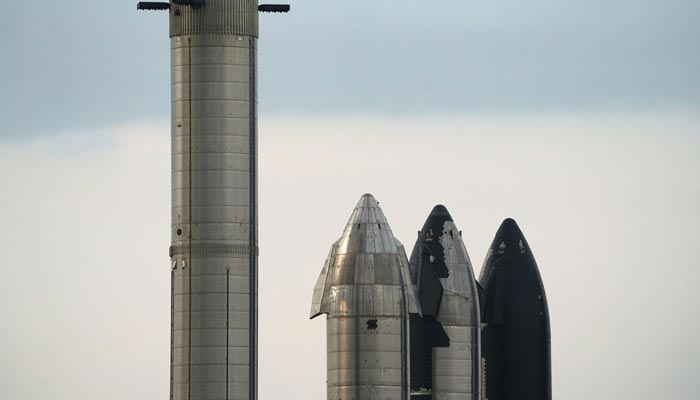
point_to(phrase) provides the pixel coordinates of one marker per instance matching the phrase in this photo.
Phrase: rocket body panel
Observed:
(214, 201)
(317, 302)
(516, 333)
(219, 17)
(445, 342)
(362, 290)
(366, 357)
(406, 278)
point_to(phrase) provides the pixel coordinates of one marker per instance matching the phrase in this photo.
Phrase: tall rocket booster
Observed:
(214, 249)
(365, 289)
(445, 361)
(516, 335)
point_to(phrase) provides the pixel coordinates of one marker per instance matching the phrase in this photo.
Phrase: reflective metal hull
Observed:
(364, 288)
(445, 361)
(214, 201)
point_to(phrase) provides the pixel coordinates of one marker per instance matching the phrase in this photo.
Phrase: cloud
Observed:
(608, 203)
(71, 66)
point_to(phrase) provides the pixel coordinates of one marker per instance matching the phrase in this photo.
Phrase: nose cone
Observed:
(367, 230)
(510, 235)
(445, 341)
(367, 211)
(440, 212)
(430, 242)
(511, 279)
(516, 335)
(441, 269)
(367, 256)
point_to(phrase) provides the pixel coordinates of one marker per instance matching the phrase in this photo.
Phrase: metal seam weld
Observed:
(189, 220)
(252, 395)
(228, 295)
(211, 248)
(404, 340)
(172, 327)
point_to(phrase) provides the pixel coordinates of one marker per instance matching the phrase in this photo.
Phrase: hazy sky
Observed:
(579, 119)
(93, 63)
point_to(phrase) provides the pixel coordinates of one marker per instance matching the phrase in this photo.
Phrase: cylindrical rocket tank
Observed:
(366, 292)
(214, 200)
(445, 341)
(516, 347)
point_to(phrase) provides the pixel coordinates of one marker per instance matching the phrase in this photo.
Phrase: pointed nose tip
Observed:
(367, 201)
(440, 211)
(436, 220)
(509, 231)
(367, 210)
(510, 224)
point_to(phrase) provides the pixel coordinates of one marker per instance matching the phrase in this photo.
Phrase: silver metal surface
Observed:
(456, 369)
(233, 17)
(214, 201)
(365, 290)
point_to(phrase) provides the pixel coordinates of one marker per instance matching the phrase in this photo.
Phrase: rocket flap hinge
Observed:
(274, 8)
(151, 5)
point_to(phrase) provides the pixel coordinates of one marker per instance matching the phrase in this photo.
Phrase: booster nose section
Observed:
(445, 339)
(516, 336)
(511, 280)
(366, 254)
(366, 292)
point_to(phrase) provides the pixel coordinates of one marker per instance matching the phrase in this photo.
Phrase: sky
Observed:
(579, 119)
(97, 63)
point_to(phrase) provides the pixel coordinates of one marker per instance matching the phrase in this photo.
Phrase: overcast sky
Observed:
(579, 119)
(94, 63)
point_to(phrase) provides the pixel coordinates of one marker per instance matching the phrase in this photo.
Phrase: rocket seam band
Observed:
(231, 136)
(228, 324)
(212, 99)
(194, 117)
(189, 219)
(172, 330)
(253, 218)
(220, 64)
(405, 362)
(211, 248)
